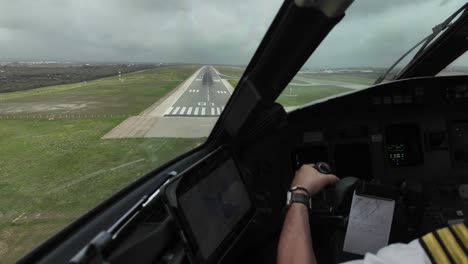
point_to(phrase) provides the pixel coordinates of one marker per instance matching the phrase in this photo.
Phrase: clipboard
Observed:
(377, 191)
(370, 218)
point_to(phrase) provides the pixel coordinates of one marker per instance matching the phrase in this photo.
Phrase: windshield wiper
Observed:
(425, 41)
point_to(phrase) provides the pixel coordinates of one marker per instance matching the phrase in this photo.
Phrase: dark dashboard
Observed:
(415, 128)
(411, 135)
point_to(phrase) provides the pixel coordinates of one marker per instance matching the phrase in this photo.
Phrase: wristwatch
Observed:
(295, 197)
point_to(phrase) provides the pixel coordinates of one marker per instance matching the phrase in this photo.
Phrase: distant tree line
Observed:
(22, 76)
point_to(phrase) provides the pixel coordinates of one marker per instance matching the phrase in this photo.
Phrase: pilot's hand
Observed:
(311, 179)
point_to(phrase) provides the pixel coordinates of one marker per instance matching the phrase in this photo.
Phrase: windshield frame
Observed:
(440, 52)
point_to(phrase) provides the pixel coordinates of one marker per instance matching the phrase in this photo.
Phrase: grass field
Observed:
(300, 95)
(356, 78)
(232, 71)
(16, 76)
(113, 95)
(295, 95)
(53, 171)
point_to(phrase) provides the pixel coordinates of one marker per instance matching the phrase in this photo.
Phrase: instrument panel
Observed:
(403, 145)
(373, 135)
(410, 134)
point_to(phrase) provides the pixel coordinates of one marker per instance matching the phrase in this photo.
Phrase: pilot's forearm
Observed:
(295, 244)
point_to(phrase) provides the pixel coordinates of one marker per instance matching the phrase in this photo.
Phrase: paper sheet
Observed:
(370, 221)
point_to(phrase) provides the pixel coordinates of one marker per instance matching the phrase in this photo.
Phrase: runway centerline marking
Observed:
(213, 105)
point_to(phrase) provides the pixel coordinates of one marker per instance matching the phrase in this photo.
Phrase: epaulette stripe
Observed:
(452, 247)
(434, 249)
(443, 246)
(458, 240)
(426, 249)
(462, 233)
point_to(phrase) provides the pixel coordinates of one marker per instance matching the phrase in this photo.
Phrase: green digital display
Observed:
(403, 145)
(395, 148)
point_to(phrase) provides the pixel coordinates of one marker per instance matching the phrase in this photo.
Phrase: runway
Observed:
(205, 96)
(189, 111)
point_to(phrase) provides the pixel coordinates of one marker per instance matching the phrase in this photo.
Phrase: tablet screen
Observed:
(214, 206)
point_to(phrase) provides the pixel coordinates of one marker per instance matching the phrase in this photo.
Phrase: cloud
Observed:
(380, 36)
(203, 31)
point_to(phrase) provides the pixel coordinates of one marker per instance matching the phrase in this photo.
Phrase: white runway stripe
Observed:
(182, 111)
(189, 111)
(218, 111)
(212, 111)
(175, 111)
(222, 108)
(203, 111)
(168, 110)
(196, 111)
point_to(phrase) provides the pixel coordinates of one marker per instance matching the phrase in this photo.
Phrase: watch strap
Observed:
(299, 198)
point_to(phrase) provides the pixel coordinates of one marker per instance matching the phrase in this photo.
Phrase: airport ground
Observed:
(55, 164)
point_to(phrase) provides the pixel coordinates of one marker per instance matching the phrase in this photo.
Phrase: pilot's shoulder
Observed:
(447, 245)
(396, 253)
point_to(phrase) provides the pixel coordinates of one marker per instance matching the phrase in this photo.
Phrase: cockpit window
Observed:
(360, 49)
(457, 67)
(96, 94)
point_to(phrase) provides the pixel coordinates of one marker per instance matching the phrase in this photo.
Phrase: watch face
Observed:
(288, 198)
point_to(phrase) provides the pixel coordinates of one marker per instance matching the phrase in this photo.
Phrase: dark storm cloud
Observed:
(205, 31)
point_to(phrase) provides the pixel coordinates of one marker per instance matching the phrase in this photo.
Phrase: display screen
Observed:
(403, 145)
(214, 206)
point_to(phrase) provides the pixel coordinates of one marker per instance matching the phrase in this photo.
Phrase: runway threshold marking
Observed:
(169, 110)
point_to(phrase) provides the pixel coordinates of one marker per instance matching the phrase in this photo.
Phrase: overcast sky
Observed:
(374, 32)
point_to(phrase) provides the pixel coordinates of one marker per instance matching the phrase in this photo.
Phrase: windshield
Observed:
(457, 67)
(369, 39)
(96, 94)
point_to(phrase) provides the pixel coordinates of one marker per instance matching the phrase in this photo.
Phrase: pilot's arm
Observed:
(295, 244)
(446, 245)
